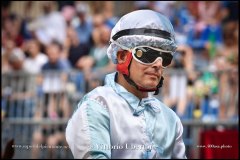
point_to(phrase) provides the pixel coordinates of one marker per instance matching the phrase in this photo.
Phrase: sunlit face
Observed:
(146, 76)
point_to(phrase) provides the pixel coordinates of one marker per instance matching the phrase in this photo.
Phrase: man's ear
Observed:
(122, 56)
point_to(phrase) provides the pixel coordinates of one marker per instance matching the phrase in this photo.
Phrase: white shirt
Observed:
(34, 65)
(51, 27)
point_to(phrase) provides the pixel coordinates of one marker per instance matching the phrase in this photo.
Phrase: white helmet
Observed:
(142, 28)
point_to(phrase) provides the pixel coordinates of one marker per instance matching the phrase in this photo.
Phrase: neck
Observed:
(121, 80)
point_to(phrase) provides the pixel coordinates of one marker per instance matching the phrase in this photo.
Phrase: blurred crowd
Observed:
(65, 36)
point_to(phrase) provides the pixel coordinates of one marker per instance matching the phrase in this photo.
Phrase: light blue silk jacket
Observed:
(110, 122)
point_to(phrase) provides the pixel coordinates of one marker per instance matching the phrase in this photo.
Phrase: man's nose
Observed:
(158, 63)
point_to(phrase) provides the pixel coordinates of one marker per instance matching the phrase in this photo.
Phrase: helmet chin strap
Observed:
(124, 69)
(131, 82)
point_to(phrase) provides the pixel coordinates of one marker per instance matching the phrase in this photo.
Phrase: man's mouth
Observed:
(153, 74)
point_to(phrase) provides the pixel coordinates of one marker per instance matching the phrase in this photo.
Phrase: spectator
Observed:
(226, 63)
(75, 50)
(68, 12)
(51, 26)
(12, 26)
(8, 46)
(55, 101)
(20, 87)
(84, 27)
(107, 12)
(33, 64)
(55, 62)
(98, 58)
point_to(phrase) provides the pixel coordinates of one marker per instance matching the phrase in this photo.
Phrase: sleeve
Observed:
(179, 146)
(88, 131)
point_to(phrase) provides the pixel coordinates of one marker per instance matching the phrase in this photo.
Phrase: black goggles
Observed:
(148, 55)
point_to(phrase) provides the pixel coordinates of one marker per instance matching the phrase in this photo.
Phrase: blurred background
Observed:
(55, 52)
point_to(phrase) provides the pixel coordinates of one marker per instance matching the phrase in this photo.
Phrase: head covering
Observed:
(142, 28)
(16, 55)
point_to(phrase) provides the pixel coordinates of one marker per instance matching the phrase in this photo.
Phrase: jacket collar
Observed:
(136, 104)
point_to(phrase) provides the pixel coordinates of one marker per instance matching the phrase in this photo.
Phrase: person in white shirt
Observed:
(33, 64)
(51, 26)
(122, 119)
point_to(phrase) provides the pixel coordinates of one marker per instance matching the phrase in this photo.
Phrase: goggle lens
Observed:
(148, 56)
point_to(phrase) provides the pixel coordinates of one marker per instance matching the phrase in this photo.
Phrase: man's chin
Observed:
(150, 86)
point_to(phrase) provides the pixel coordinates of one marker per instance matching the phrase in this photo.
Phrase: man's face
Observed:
(146, 76)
